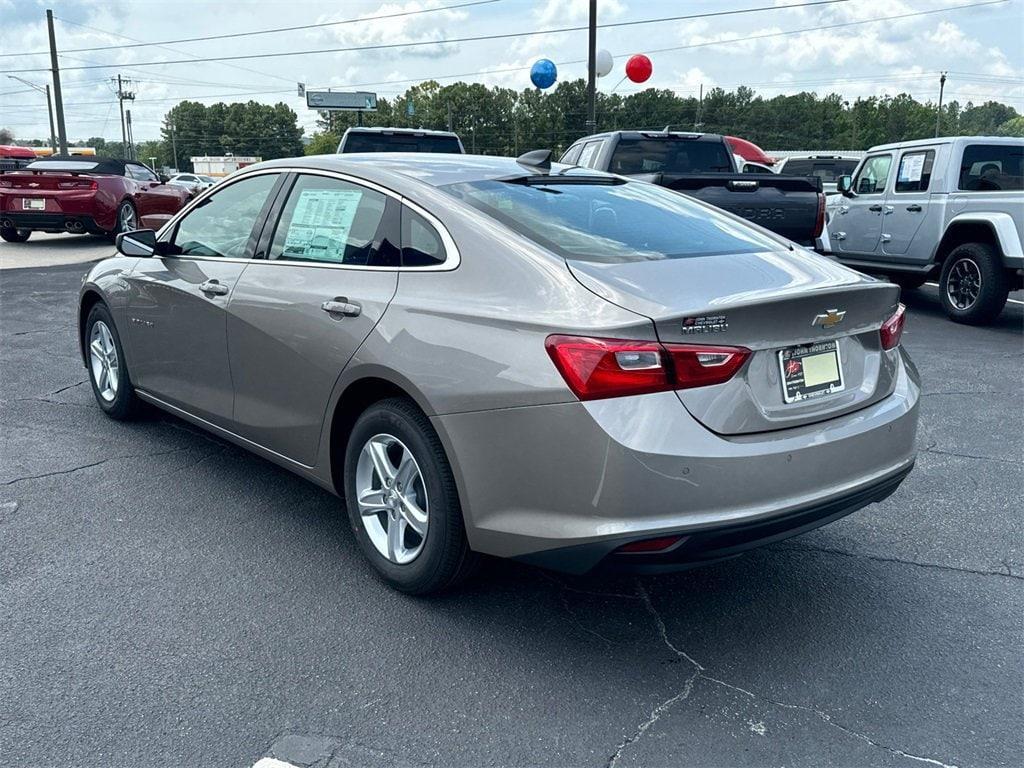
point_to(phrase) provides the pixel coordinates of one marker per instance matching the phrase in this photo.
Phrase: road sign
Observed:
(342, 101)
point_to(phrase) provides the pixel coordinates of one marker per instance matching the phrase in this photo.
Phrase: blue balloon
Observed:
(543, 73)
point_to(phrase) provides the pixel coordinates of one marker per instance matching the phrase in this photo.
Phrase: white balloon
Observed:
(603, 63)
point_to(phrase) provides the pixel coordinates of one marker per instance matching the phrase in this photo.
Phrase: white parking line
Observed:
(1011, 301)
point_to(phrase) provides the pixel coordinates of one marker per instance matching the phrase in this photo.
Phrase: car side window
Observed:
(915, 171)
(141, 173)
(329, 220)
(872, 175)
(572, 155)
(221, 225)
(421, 244)
(992, 167)
(589, 153)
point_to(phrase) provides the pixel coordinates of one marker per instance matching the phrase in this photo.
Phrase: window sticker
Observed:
(912, 168)
(321, 223)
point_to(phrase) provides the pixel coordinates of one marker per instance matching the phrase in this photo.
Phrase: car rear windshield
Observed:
(992, 167)
(670, 155)
(611, 223)
(400, 142)
(826, 170)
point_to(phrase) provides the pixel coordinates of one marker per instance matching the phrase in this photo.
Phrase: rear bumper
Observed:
(564, 485)
(53, 222)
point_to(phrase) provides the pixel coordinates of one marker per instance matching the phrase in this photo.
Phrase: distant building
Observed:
(221, 165)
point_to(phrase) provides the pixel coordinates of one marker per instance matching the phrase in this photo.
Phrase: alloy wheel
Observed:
(392, 498)
(126, 218)
(103, 361)
(963, 285)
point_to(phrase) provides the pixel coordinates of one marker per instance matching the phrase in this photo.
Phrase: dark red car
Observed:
(102, 196)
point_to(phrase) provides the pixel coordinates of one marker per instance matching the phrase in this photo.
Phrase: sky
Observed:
(981, 47)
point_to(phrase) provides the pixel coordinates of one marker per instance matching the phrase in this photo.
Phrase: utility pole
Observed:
(449, 114)
(62, 135)
(174, 146)
(124, 95)
(938, 114)
(697, 124)
(592, 71)
(131, 141)
(49, 106)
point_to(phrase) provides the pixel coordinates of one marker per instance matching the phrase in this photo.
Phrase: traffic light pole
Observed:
(62, 136)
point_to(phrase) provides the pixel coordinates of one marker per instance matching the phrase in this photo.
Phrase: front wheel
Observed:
(108, 373)
(402, 501)
(12, 235)
(973, 285)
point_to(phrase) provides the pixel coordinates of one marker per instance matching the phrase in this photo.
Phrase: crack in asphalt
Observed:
(65, 389)
(932, 449)
(79, 468)
(40, 330)
(1008, 574)
(700, 673)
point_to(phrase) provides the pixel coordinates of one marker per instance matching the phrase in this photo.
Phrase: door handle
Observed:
(875, 208)
(341, 306)
(839, 236)
(914, 208)
(214, 288)
(889, 209)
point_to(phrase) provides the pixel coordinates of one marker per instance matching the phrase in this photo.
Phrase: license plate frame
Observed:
(792, 377)
(33, 204)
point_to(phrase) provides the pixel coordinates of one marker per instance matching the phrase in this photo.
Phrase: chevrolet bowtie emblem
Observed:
(830, 318)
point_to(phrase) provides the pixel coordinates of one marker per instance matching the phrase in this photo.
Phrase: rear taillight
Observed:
(892, 329)
(819, 220)
(600, 368)
(78, 184)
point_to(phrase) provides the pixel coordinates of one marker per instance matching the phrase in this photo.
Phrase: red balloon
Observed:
(639, 68)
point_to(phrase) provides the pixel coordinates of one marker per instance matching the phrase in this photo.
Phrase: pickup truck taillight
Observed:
(892, 329)
(600, 368)
(819, 221)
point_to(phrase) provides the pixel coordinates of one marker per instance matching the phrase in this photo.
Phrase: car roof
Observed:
(403, 131)
(432, 169)
(653, 134)
(947, 140)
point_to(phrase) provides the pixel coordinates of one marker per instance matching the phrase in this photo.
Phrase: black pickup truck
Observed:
(701, 165)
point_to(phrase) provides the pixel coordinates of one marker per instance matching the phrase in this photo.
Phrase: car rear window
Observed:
(611, 223)
(400, 142)
(670, 155)
(992, 167)
(826, 170)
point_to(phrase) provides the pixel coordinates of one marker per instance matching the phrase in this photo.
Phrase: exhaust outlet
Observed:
(74, 226)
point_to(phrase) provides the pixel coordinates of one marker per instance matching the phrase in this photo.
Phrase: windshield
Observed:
(826, 170)
(400, 142)
(611, 223)
(670, 155)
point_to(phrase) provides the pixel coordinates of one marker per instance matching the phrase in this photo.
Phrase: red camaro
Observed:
(84, 194)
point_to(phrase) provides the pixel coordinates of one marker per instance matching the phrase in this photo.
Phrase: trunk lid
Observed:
(766, 302)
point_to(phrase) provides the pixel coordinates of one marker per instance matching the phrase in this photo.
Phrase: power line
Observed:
(274, 29)
(476, 38)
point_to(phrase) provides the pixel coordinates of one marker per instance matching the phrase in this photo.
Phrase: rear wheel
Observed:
(973, 285)
(108, 373)
(402, 502)
(127, 219)
(12, 235)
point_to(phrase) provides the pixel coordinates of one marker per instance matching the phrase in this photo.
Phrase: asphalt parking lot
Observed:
(168, 599)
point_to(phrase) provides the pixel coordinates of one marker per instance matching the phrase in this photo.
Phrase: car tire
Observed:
(973, 285)
(122, 217)
(13, 235)
(416, 564)
(118, 401)
(908, 282)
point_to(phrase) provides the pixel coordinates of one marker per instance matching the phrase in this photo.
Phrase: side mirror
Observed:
(139, 242)
(164, 178)
(844, 185)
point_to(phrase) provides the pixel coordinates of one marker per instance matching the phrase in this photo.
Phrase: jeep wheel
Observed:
(973, 286)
